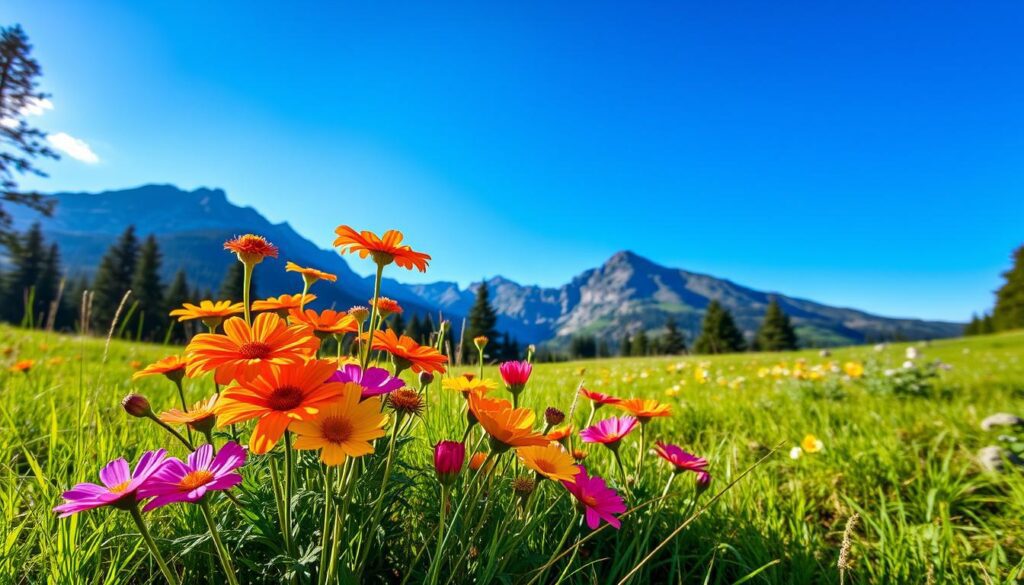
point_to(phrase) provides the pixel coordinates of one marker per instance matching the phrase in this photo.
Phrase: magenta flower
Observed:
(516, 375)
(448, 459)
(609, 431)
(598, 500)
(375, 381)
(177, 481)
(681, 460)
(120, 486)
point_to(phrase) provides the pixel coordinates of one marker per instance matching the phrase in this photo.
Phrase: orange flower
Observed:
(386, 307)
(477, 460)
(508, 427)
(560, 433)
(242, 352)
(644, 409)
(172, 366)
(467, 384)
(212, 313)
(599, 398)
(310, 275)
(277, 397)
(408, 353)
(550, 461)
(282, 304)
(327, 322)
(251, 249)
(23, 366)
(200, 417)
(383, 250)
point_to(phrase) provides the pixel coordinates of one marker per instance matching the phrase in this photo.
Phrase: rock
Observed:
(994, 457)
(1001, 419)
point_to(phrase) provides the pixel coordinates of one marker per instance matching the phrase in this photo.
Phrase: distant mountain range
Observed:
(626, 293)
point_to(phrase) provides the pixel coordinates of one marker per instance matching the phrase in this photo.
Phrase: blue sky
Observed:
(867, 155)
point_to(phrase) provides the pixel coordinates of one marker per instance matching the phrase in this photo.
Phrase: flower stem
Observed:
(374, 314)
(184, 405)
(321, 574)
(246, 284)
(289, 471)
(375, 515)
(339, 519)
(435, 565)
(171, 430)
(643, 448)
(222, 552)
(146, 536)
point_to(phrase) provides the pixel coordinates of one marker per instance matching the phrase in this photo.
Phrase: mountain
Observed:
(626, 293)
(629, 293)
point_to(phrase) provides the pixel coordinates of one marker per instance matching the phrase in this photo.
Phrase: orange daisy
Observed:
(343, 428)
(644, 409)
(327, 322)
(560, 433)
(310, 275)
(599, 398)
(507, 426)
(23, 366)
(386, 307)
(200, 417)
(211, 313)
(243, 351)
(172, 366)
(251, 249)
(408, 353)
(283, 304)
(279, 396)
(550, 461)
(384, 250)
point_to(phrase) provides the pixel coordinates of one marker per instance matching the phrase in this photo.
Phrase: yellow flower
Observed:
(853, 369)
(812, 444)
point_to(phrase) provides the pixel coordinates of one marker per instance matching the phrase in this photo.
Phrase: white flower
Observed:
(889, 372)
(795, 453)
(908, 365)
(912, 353)
(880, 347)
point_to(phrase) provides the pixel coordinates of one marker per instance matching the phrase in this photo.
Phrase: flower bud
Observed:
(359, 313)
(703, 481)
(137, 405)
(523, 486)
(477, 460)
(448, 459)
(553, 416)
(480, 342)
(426, 378)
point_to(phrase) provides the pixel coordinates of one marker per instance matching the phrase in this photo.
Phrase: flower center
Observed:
(254, 350)
(120, 487)
(589, 501)
(285, 398)
(545, 466)
(195, 479)
(336, 429)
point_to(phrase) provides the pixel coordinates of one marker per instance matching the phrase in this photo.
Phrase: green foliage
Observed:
(639, 344)
(177, 295)
(719, 333)
(233, 285)
(148, 291)
(31, 286)
(909, 380)
(673, 342)
(113, 278)
(626, 346)
(582, 347)
(482, 321)
(1009, 310)
(776, 333)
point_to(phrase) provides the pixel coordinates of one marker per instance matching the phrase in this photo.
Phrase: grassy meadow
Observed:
(899, 454)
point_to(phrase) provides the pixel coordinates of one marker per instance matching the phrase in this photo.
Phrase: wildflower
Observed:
(795, 453)
(515, 374)
(426, 378)
(644, 409)
(853, 369)
(409, 354)
(251, 249)
(405, 401)
(120, 485)
(523, 486)
(283, 304)
(579, 455)
(137, 406)
(912, 353)
(468, 384)
(609, 431)
(278, 397)
(553, 416)
(172, 366)
(449, 457)
(599, 399)
(374, 381)
(200, 417)
(550, 461)
(683, 461)
(507, 426)
(384, 250)
(812, 444)
(310, 275)
(599, 501)
(561, 433)
(188, 481)
(242, 351)
(327, 322)
(480, 341)
(211, 313)
(343, 428)
(135, 364)
(23, 366)
(477, 460)
(386, 307)
(359, 313)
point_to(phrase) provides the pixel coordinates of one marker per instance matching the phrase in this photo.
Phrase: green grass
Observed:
(903, 463)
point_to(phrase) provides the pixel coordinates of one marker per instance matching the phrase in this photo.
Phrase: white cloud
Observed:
(73, 147)
(36, 107)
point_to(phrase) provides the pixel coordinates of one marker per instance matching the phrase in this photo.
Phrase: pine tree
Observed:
(602, 348)
(719, 333)
(776, 333)
(482, 320)
(640, 342)
(233, 285)
(48, 287)
(72, 303)
(114, 277)
(1009, 309)
(148, 291)
(625, 348)
(397, 324)
(414, 329)
(674, 343)
(28, 256)
(178, 294)
(428, 329)
(973, 327)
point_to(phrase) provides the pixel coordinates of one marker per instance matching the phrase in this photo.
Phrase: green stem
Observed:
(339, 519)
(275, 481)
(375, 515)
(302, 299)
(184, 405)
(561, 543)
(246, 283)
(222, 552)
(374, 314)
(435, 565)
(171, 430)
(643, 448)
(480, 351)
(622, 470)
(146, 536)
(289, 471)
(325, 531)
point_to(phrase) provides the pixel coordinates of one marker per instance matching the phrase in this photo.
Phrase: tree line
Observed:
(1008, 312)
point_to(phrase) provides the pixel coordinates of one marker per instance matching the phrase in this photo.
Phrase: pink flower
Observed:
(120, 487)
(683, 461)
(515, 375)
(188, 482)
(600, 501)
(375, 381)
(609, 431)
(448, 459)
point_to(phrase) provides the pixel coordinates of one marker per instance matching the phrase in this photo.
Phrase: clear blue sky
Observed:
(869, 154)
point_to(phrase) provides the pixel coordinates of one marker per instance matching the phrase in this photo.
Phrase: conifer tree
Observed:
(626, 347)
(414, 329)
(776, 333)
(148, 291)
(673, 343)
(397, 324)
(178, 294)
(482, 320)
(428, 329)
(233, 285)
(1009, 309)
(114, 278)
(639, 343)
(719, 333)
(602, 348)
(28, 257)
(48, 287)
